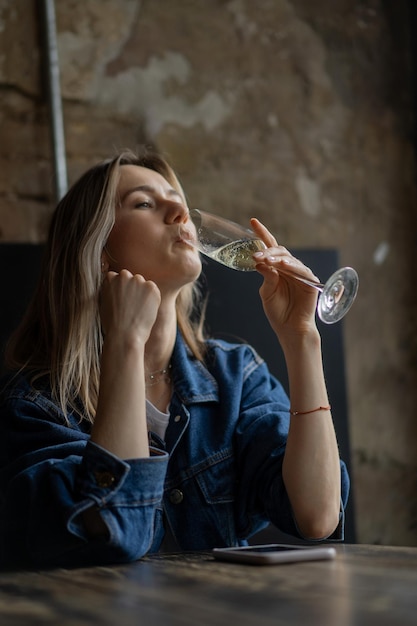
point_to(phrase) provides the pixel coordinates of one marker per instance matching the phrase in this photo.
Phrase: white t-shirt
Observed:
(157, 421)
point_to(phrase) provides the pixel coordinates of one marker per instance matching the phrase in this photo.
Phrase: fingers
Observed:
(124, 276)
(282, 261)
(129, 303)
(277, 257)
(273, 248)
(263, 233)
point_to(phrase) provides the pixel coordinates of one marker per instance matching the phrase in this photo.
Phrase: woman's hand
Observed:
(289, 304)
(129, 305)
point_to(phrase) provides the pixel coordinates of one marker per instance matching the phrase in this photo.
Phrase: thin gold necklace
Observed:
(158, 376)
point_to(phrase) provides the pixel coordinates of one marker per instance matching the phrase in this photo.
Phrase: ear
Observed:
(105, 264)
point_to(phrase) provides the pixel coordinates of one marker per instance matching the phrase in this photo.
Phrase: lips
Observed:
(186, 236)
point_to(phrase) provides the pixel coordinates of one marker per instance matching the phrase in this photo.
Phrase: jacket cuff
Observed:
(103, 477)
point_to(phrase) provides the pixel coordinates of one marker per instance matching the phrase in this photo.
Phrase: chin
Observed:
(192, 274)
(192, 265)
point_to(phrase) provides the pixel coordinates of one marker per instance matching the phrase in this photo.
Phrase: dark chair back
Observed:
(20, 263)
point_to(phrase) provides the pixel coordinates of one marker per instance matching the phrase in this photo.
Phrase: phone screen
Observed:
(271, 548)
(274, 553)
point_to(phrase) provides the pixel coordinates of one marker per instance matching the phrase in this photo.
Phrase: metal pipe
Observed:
(55, 100)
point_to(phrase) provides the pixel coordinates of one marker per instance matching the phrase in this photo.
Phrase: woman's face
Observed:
(145, 238)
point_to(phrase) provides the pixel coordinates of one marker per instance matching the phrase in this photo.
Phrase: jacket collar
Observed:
(192, 380)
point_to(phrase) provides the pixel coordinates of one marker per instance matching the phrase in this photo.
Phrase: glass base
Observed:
(338, 295)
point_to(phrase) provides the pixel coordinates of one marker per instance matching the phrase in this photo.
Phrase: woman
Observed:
(123, 431)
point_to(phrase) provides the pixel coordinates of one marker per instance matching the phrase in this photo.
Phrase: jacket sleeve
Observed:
(50, 474)
(263, 430)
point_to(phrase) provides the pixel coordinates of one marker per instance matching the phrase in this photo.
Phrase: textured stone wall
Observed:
(297, 111)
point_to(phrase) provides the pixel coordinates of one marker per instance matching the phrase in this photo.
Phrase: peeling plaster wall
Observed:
(296, 111)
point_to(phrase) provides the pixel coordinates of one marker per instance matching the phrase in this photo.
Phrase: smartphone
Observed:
(273, 553)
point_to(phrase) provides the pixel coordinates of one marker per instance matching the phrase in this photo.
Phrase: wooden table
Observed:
(365, 585)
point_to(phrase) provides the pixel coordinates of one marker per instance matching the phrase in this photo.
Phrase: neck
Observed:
(158, 352)
(160, 396)
(159, 347)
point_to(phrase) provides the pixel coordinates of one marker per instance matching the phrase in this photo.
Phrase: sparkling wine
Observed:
(238, 254)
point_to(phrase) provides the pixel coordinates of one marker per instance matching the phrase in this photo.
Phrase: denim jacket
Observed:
(214, 481)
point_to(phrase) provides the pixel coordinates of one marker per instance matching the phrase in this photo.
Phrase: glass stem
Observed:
(306, 281)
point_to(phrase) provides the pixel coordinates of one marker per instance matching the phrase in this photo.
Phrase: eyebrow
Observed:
(149, 189)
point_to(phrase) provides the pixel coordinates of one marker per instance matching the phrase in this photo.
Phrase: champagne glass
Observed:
(233, 245)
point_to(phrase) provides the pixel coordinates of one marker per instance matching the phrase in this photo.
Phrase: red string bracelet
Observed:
(319, 408)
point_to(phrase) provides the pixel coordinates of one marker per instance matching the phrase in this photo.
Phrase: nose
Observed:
(177, 212)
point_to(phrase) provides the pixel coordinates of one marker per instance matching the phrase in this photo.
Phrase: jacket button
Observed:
(177, 418)
(176, 496)
(104, 479)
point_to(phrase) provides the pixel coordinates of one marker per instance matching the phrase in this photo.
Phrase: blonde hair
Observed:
(60, 335)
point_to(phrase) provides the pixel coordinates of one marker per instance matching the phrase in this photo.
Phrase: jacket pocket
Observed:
(216, 477)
